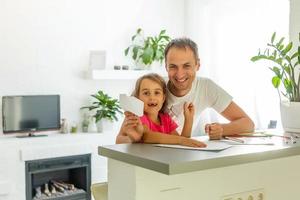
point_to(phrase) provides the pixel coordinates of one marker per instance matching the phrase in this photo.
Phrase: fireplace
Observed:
(63, 178)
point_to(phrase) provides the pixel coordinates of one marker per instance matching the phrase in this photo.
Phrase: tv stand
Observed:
(30, 134)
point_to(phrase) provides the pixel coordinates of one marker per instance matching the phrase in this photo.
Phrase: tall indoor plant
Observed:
(286, 79)
(104, 107)
(145, 50)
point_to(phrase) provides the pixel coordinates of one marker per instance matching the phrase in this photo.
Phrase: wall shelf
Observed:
(123, 74)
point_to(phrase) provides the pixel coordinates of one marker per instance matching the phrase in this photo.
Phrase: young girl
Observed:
(155, 126)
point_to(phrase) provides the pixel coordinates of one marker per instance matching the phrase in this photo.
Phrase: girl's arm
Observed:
(160, 138)
(130, 136)
(122, 139)
(189, 111)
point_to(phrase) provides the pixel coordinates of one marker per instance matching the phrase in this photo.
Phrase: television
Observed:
(30, 114)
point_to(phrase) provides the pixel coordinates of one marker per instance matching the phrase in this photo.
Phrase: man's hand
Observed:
(214, 131)
(191, 142)
(188, 110)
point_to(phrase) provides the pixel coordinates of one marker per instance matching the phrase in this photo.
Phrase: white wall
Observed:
(295, 26)
(294, 21)
(45, 44)
(228, 34)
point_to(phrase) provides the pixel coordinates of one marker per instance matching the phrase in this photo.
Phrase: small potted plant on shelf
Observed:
(104, 108)
(145, 50)
(286, 79)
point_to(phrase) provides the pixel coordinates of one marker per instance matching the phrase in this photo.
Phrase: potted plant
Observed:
(145, 50)
(104, 108)
(286, 79)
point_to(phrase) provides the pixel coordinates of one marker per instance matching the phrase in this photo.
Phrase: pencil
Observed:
(234, 139)
(282, 136)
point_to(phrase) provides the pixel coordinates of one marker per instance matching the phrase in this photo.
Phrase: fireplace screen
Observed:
(63, 178)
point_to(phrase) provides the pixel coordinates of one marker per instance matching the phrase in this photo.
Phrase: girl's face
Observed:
(151, 93)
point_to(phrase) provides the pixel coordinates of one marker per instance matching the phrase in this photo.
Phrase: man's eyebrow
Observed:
(187, 63)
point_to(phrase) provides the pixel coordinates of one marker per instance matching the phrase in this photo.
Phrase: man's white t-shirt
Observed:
(203, 94)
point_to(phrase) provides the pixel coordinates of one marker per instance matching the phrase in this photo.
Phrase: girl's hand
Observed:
(131, 121)
(140, 128)
(188, 110)
(191, 142)
(132, 127)
(214, 131)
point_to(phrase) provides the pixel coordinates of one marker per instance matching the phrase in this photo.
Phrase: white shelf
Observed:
(123, 74)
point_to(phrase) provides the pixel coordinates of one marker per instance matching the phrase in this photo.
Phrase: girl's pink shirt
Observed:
(167, 125)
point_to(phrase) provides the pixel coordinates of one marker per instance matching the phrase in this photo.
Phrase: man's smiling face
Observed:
(181, 65)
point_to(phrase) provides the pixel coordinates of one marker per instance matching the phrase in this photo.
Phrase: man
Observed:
(182, 62)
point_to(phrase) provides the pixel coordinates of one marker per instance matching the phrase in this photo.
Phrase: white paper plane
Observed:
(132, 104)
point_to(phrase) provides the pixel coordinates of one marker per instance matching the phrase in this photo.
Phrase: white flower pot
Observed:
(290, 116)
(92, 128)
(104, 125)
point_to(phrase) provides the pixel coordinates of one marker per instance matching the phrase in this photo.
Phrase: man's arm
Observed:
(239, 123)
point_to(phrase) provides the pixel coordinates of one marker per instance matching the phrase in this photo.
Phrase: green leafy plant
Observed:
(285, 66)
(149, 49)
(106, 107)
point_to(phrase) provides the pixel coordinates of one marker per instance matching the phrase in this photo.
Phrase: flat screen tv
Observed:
(29, 114)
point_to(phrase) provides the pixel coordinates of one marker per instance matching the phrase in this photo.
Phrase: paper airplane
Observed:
(132, 104)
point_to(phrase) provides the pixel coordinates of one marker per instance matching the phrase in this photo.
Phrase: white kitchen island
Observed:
(146, 172)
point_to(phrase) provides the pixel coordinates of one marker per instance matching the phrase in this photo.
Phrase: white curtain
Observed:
(228, 34)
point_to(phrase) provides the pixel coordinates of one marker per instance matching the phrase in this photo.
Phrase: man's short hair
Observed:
(182, 43)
